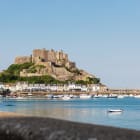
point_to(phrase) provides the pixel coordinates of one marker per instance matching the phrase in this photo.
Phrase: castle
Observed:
(58, 58)
(55, 63)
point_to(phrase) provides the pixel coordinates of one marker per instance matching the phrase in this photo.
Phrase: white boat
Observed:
(85, 96)
(56, 97)
(71, 96)
(19, 97)
(74, 96)
(114, 110)
(104, 96)
(131, 95)
(112, 96)
(66, 97)
(49, 96)
(137, 96)
(120, 96)
(30, 94)
(97, 96)
(100, 96)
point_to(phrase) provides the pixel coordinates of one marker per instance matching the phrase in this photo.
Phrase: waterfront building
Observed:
(25, 87)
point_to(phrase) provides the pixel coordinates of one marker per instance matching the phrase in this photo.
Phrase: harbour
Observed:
(92, 111)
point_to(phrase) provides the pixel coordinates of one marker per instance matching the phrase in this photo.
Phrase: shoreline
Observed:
(35, 128)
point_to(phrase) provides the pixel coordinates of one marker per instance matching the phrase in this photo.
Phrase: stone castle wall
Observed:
(47, 55)
(42, 55)
(62, 73)
(23, 59)
(52, 56)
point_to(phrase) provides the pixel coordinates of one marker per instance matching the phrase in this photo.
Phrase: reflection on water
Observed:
(87, 111)
(114, 113)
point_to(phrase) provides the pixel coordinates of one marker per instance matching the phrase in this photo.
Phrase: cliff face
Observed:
(54, 63)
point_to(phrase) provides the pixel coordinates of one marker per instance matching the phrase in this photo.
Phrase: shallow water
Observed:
(93, 111)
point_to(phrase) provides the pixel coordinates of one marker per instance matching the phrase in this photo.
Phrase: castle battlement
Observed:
(42, 55)
(22, 59)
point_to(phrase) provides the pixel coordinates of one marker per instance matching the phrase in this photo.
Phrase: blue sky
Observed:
(101, 36)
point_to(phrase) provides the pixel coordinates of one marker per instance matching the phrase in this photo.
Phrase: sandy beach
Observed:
(10, 114)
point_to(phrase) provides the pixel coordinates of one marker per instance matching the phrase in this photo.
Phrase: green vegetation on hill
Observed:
(89, 81)
(76, 71)
(15, 69)
(12, 75)
(10, 78)
(47, 79)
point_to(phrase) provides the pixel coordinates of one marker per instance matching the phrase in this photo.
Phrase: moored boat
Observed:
(85, 96)
(66, 97)
(30, 94)
(137, 96)
(114, 110)
(112, 96)
(120, 96)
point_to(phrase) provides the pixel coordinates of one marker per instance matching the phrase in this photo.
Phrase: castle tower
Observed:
(52, 56)
(40, 55)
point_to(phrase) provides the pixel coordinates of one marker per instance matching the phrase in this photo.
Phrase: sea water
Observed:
(92, 111)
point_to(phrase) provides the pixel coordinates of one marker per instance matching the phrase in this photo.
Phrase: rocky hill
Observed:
(53, 63)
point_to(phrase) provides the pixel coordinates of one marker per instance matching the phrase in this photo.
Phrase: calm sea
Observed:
(93, 111)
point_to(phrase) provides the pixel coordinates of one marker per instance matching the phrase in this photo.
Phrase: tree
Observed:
(92, 80)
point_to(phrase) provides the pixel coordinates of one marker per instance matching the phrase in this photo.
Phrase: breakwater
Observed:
(109, 91)
(124, 91)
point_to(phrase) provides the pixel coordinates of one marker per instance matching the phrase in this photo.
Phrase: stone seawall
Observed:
(32, 128)
(134, 92)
